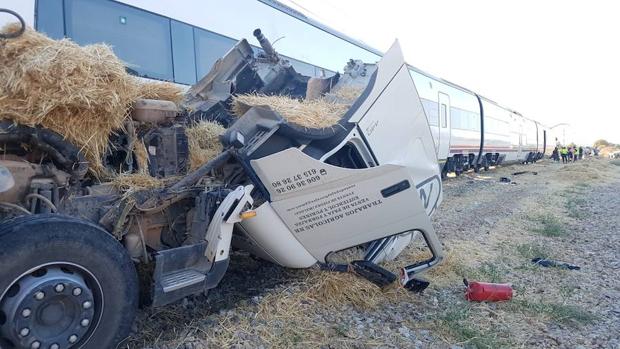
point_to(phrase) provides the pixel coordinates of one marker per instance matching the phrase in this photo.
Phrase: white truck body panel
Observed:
(339, 208)
(272, 240)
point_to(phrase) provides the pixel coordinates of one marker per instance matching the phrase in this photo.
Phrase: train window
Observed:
(444, 115)
(432, 114)
(50, 18)
(141, 39)
(301, 67)
(489, 125)
(183, 53)
(464, 119)
(209, 48)
(455, 118)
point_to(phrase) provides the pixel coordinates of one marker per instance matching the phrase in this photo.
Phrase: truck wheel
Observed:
(64, 283)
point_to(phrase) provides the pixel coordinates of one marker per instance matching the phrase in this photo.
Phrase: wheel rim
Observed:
(54, 305)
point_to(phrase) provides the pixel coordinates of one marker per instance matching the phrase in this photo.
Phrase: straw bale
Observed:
(161, 90)
(130, 182)
(204, 142)
(316, 113)
(83, 93)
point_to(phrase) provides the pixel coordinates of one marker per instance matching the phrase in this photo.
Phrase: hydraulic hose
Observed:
(18, 33)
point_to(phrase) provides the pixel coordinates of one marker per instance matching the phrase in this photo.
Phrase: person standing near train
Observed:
(564, 154)
(555, 155)
(580, 152)
(575, 154)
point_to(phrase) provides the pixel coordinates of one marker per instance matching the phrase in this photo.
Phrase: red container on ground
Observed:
(484, 291)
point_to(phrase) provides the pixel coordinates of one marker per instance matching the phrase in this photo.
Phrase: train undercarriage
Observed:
(461, 163)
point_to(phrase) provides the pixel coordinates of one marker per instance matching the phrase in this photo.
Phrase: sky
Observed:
(553, 61)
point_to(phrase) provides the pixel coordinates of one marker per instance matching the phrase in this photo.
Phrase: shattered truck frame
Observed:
(289, 194)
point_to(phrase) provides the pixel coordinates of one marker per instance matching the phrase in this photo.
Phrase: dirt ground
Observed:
(490, 232)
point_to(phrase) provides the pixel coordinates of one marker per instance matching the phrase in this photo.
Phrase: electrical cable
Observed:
(42, 198)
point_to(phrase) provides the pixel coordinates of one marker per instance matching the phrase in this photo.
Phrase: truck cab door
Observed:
(329, 208)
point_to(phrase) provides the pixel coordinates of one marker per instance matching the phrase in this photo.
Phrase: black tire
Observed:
(47, 241)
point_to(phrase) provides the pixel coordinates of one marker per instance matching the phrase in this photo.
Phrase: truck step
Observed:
(179, 272)
(180, 279)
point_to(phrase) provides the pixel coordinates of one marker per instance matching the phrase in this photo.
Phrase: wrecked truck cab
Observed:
(288, 192)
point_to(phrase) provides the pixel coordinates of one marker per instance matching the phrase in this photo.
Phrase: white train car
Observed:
(508, 137)
(453, 113)
(501, 134)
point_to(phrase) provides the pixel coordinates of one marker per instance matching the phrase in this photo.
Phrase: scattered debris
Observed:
(504, 180)
(524, 172)
(416, 285)
(546, 262)
(484, 291)
(365, 269)
(373, 273)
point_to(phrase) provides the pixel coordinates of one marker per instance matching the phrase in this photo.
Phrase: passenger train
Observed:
(180, 43)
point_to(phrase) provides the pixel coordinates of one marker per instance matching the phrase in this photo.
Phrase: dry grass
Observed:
(605, 151)
(204, 142)
(333, 289)
(586, 171)
(82, 93)
(317, 113)
(294, 312)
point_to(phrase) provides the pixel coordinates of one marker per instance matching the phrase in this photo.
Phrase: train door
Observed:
(443, 149)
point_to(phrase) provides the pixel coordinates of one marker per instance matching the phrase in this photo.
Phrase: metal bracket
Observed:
(219, 233)
(407, 273)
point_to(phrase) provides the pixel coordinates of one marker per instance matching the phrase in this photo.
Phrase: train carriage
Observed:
(454, 118)
(529, 140)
